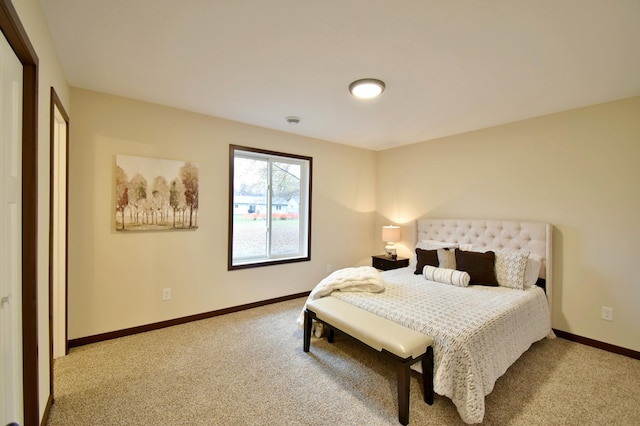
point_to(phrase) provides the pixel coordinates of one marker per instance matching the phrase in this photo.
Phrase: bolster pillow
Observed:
(446, 276)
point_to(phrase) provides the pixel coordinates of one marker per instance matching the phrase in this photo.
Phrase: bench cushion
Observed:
(373, 330)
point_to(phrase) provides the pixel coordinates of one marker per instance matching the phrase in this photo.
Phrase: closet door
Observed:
(11, 371)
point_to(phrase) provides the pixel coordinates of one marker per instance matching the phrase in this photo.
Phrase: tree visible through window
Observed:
(269, 207)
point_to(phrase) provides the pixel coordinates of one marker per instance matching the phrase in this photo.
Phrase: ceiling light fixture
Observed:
(366, 88)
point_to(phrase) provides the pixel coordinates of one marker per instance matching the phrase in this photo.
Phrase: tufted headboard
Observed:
(535, 237)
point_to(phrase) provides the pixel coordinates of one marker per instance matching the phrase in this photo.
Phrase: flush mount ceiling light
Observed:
(366, 88)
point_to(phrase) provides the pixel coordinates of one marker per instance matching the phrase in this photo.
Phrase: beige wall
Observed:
(115, 278)
(576, 169)
(50, 74)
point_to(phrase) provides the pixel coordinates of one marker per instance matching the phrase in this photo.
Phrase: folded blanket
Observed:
(362, 278)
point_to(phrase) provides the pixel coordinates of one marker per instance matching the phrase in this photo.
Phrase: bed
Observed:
(478, 330)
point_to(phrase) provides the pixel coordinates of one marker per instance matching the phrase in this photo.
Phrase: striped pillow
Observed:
(446, 276)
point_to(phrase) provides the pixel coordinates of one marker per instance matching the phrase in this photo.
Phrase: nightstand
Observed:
(386, 263)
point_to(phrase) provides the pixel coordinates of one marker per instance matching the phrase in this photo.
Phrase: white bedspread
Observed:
(478, 331)
(357, 279)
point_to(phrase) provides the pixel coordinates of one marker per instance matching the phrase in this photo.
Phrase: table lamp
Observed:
(390, 235)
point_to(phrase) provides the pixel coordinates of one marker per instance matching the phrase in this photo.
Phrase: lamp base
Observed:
(390, 252)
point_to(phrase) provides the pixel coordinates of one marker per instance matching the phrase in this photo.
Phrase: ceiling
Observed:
(449, 66)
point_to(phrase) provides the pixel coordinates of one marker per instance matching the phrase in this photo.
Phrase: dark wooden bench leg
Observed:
(404, 376)
(427, 376)
(307, 332)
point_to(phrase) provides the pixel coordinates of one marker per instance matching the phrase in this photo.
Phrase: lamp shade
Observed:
(391, 234)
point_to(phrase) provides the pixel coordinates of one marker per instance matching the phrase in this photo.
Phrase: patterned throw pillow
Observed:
(510, 268)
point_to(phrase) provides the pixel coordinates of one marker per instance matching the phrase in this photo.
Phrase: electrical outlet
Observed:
(329, 268)
(607, 313)
(166, 294)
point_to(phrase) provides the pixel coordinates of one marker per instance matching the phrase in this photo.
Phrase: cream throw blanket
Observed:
(357, 279)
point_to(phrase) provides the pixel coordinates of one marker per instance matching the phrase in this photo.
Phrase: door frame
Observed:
(17, 37)
(56, 104)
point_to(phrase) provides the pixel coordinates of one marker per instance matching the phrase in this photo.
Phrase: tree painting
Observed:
(161, 194)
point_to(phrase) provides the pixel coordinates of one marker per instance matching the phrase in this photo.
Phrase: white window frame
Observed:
(304, 231)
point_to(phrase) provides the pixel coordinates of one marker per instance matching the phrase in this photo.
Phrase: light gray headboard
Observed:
(536, 237)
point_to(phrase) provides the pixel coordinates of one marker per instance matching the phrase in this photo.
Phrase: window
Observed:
(269, 207)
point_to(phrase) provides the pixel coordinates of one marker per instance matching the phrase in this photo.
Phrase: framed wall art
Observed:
(155, 194)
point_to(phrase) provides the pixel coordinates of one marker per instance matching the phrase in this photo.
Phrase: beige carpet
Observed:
(248, 368)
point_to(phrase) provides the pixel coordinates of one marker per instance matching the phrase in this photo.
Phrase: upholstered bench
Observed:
(403, 345)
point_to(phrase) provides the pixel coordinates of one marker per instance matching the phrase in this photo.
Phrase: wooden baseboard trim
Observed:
(47, 410)
(597, 344)
(176, 321)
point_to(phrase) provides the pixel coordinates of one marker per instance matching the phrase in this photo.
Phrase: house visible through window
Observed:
(269, 207)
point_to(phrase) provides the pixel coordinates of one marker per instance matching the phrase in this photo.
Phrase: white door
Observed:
(11, 401)
(59, 260)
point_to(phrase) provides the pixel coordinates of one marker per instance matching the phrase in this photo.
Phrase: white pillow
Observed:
(510, 267)
(430, 245)
(433, 244)
(447, 258)
(534, 263)
(446, 276)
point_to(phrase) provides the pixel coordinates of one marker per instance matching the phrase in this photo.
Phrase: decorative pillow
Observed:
(466, 247)
(425, 257)
(534, 263)
(480, 266)
(510, 267)
(446, 276)
(431, 245)
(446, 258)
